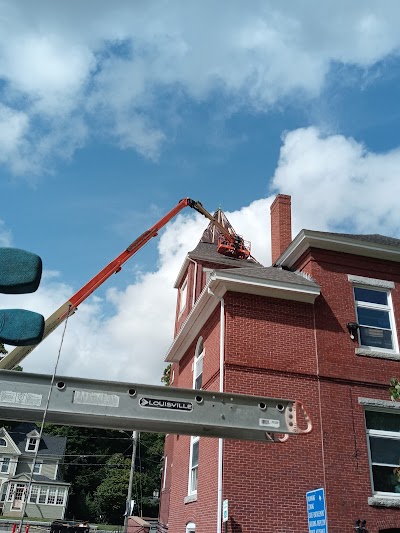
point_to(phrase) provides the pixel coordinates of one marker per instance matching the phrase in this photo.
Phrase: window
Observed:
(51, 498)
(4, 465)
(183, 296)
(190, 528)
(3, 442)
(34, 494)
(11, 491)
(198, 365)
(37, 468)
(384, 450)
(375, 318)
(60, 496)
(31, 444)
(194, 464)
(42, 495)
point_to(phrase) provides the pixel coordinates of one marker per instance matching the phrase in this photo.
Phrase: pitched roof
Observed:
(205, 251)
(374, 238)
(274, 274)
(49, 444)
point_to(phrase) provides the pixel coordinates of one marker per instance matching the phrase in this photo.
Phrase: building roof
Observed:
(368, 245)
(274, 274)
(38, 478)
(49, 444)
(206, 251)
(374, 238)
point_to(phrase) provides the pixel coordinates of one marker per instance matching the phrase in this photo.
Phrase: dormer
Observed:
(32, 441)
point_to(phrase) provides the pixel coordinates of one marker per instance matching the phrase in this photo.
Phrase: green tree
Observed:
(3, 351)
(166, 377)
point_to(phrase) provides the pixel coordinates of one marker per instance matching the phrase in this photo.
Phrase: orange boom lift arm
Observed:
(229, 244)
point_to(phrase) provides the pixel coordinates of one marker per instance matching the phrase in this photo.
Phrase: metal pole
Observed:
(130, 484)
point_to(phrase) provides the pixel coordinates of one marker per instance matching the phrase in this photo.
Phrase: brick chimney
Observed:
(281, 225)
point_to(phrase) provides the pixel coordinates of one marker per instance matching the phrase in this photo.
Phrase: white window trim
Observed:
(190, 527)
(3, 445)
(198, 356)
(28, 441)
(38, 465)
(193, 441)
(183, 296)
(1, 465)
(57, 491)
(384, 287)
(383, 434)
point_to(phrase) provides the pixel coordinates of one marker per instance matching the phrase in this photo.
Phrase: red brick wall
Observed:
(271, 349)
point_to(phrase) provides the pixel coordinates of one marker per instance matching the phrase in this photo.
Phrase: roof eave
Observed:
(307, 239)
(182, 271)
(220, 282)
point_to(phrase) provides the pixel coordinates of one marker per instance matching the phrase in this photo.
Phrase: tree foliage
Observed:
(97, 464)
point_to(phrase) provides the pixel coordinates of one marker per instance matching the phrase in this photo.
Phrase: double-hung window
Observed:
(194, 465)
(5, 465)
(183, 296)
(375, 318)
(383, 430)
(198, 365)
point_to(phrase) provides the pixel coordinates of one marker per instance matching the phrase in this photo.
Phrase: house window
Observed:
(37, 468)
(194, 464)
(11, 491)
(52, 495)
(60, 496)
(3, 442)
(183, 296)
(42, 495)
(34, 494)
(32, 444)
(375, 318)
(198, 365)
(383, 431)
(5, 465)
(191, 528)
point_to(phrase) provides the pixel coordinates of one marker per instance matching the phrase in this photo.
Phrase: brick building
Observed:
(286, 331)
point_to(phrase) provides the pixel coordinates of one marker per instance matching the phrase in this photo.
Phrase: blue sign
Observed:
(316, 512)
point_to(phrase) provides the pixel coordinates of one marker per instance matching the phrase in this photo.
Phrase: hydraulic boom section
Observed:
(230, 244)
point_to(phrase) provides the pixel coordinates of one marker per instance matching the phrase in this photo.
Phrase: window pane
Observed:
(373, 317)
(198, 382)
(382, 421)
(43, 494)
(378, 338)
(60, 496)
(370, 296)
(33, 495)
(385, 479)
(195, 454)
(385, 450)
(193, 480)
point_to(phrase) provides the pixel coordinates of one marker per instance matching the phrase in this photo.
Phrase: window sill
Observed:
(384, 501)
(190, 498)
(379, 354)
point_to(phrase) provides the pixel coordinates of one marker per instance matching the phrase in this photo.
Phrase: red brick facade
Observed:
(292, 349)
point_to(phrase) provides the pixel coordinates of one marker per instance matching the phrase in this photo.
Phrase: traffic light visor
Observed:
(20, 271)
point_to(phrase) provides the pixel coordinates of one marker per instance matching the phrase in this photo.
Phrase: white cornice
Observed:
(220, 282)
(337, 243)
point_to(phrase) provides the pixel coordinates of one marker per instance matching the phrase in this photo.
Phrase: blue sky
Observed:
(111, 113)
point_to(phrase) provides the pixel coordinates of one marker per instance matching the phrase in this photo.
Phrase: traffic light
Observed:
(20, 273)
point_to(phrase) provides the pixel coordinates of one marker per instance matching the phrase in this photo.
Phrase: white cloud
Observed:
(334, 181)
(108, 65)
(337, 184)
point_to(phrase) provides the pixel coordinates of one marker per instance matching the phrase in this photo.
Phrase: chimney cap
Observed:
(281, 199)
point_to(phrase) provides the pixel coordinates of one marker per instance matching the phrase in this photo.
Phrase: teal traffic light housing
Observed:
(20, 273)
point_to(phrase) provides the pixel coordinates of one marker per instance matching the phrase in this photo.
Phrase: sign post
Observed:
(316, 511)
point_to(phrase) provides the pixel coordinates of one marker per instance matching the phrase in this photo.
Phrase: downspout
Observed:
(221, 389)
